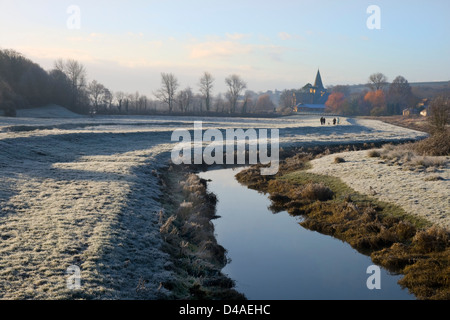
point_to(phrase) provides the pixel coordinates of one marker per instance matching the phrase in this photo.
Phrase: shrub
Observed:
(317, 191)
(432, 239)
(339, 160)
(436, 145)
(434, 178)
(439, 115)
(373, 154)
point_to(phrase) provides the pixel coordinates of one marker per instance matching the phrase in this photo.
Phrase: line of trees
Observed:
(24, 84)
(186, 101)
(380, 98)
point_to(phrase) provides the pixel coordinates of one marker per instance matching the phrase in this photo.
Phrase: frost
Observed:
(84, 191)
(391, 183)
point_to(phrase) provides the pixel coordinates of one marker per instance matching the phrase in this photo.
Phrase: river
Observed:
(275, 258)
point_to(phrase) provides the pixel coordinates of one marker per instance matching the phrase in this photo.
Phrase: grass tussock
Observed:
(412, 156)
(339, 160)
(436, 145)
(394, 240)
(425, 263)
(373, 154)
(433, 178)
(188, 231)
(316, 191)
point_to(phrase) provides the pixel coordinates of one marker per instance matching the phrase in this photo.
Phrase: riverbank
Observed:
(274, 258)
(188, 232)
(421, 189)
(403, 243)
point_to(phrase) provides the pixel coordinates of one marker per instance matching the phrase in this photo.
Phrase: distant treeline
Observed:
(377, 97)
(24, 84)
(381, 98)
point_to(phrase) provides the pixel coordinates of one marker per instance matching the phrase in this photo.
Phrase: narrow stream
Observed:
(274, 258)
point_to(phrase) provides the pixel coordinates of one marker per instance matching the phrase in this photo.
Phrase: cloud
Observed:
(218, 49)
(288, 36)
(237, 36)
(56, 52)
(232, 46)
(284, 36)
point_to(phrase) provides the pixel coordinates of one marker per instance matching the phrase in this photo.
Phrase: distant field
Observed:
(412, 122)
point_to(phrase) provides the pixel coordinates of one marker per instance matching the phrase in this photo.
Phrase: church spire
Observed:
(318, 83)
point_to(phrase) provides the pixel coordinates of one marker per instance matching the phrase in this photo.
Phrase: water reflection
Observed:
(274, 258)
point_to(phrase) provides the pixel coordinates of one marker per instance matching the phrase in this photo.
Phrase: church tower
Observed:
(318, 83)
(315, 95)
(320, 93)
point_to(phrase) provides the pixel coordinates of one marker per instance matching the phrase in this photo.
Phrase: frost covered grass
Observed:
(85, 200)
(399, 176)
(407, 154)
(88, 192)
(196, 257)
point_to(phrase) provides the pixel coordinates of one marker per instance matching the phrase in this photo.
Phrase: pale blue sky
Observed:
(271, 44)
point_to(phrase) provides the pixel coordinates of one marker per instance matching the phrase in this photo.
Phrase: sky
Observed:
(126, 45)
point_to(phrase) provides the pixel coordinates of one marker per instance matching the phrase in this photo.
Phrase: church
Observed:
(311, 98)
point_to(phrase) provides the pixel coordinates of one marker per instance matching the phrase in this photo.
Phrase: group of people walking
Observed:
(323, 121)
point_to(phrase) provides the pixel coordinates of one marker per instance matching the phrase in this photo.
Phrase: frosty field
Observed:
(84, 191)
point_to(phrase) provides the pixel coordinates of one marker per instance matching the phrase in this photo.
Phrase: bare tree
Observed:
(129, 98)
(248, 105)
(377, 81)
(108, 98)
(219, 103)
(60, 65)
(287, 99)
(120, 96)
(96, 93)
(344, 89)
(143, 103)
(235, 86)
(169, 86)
(184, 99)
(206, 85)
(400, 86)
(439, 114)
(399, 95)
(265, 104)
(76, 73)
